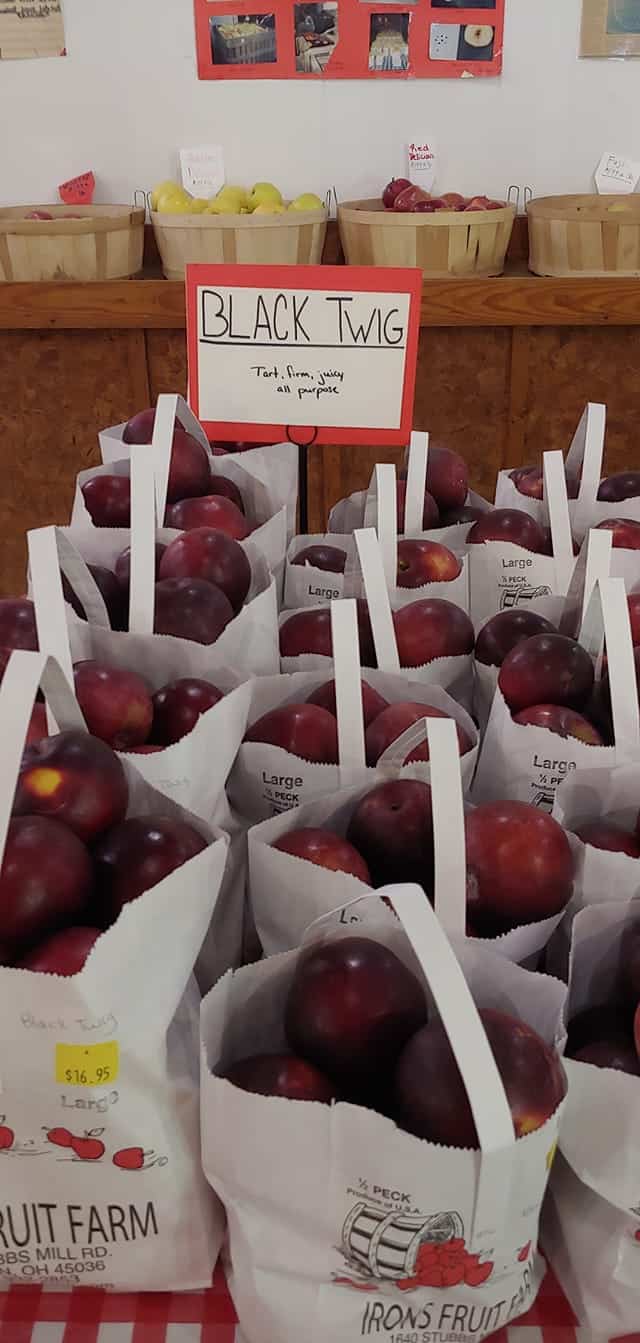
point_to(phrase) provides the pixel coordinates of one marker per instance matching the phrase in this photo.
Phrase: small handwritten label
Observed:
(202, 170)
(615, 173)
(87, 1065)
(421, 161)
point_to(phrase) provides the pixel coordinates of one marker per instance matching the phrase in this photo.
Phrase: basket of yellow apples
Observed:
(254, 226)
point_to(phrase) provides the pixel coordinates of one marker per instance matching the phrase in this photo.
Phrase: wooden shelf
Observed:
(514, 299)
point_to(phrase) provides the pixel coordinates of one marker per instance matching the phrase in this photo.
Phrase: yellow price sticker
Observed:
(88, 1065)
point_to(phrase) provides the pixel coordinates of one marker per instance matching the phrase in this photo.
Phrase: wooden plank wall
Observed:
(499, 395)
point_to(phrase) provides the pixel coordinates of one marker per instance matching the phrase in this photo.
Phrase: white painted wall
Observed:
(128, 96)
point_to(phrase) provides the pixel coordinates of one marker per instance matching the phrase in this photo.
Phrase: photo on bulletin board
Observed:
(350, 39)
(610, 28)
(29, 30)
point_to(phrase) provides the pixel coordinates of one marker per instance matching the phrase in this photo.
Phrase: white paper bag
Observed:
(192, 771)
(593, 795)
(486, 677)
(529, 763)
(583, 469)
(267, 780)
(101, 1177)
(592, 1230)
(329, 1207)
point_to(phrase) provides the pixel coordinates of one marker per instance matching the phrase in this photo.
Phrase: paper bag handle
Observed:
(143, 539)
(348, 684)
(447, 809)
(24, 673)
(598, 568)
(416, 483)
(45, 553)
(162, 444)
(373, 575)
(48, 599)
(555, 494)
(387, 501)
(587, 451)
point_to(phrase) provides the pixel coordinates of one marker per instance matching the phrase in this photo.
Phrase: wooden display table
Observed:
(505, 368)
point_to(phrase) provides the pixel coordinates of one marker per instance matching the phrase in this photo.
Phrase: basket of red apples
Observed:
(550, 717)
(444, 235)
(184, 729)
(92, 985)
(307, 736)
(508, 881)
(254, 495)
(440, 480)
(430, 637)
(379, 1117)
(591, 1227)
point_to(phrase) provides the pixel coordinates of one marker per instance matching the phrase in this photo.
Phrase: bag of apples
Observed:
(434, 500)
(432, 639)
(139, 695)
(523, 487)
(600, 810)
(309, 737)
(591, 1224)
(215, 599)
(250, 493)
(99, 1009)
(506, 868)
(379, 1118)
(546, 719)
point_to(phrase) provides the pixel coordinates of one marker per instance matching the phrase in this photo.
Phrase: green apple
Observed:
(174, 202)
(163, 189)
(230, 200)
(307, 201)
(264, 193)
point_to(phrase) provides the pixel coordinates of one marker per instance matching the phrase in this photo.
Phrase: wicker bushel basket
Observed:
(103, 242)
(585, 235)
(441, 244)
(295, 238)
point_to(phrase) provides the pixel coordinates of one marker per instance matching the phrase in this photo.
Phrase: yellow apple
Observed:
(274, 209)
(199, 205)
(307, 201)
(173, 202)
(264, 193)
(229, 201)
(163, 189)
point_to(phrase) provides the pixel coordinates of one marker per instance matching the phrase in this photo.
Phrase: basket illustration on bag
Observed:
(517, 596)
(386, 1245)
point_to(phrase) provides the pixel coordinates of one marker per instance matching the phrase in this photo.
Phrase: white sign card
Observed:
(202, 170)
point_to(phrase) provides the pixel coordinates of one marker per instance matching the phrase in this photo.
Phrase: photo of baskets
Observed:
(243, 39)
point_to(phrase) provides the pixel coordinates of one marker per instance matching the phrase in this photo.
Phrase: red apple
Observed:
(625, 533)
(468, 513)
(601, 1021)
(430, 513)
(108, 500)
(220, 449)
(73, 778)
(604, 834)
(304, 730)
(122, 567)
(529, 480)
(512, 525)
(392, 190)
(431, 1095)
(407, 199)
(331, 559)
(310, 632)
(45, 880)
(519, 866)
(189, 472)
(633, 602)
(429, 207)
(453, 200)
(116, 704)
(111, 594)
(629, 966)
(62, 954)
(616, 1052)
(139, 853)
(564, 722)
(421, 562)
(393, 830)
(179, 705)
(325, 849)
(393, 721)
(281, 1075)
(191, 608)
(372, 702)
(227, 489)
(351, 1007)
(447, 477)
(505, 631)
(205, 553)
(430, 629)
(18, 627)
(42, 214)
(212, 510)
(548, 668)
(623, 485)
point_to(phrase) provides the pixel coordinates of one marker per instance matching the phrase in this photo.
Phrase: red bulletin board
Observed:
(349, 39)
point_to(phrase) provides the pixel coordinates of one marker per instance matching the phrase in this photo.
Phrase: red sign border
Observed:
(350, 279)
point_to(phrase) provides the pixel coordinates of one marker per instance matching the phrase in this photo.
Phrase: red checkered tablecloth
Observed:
(87, 1315)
